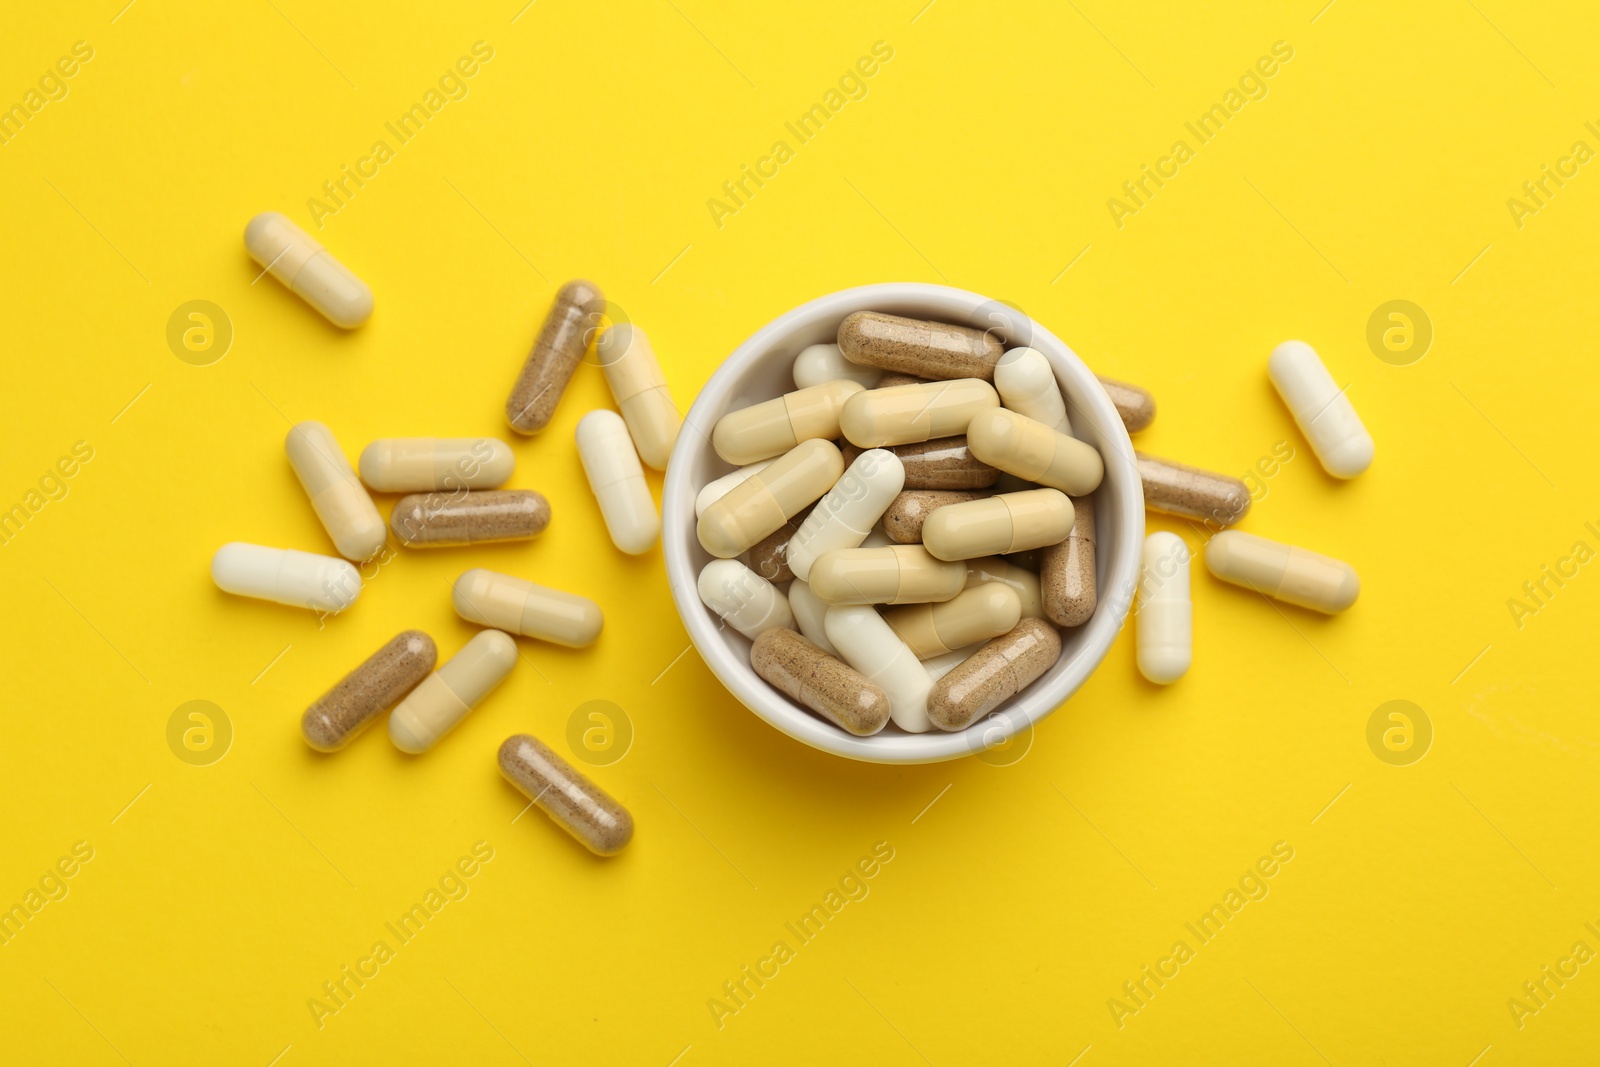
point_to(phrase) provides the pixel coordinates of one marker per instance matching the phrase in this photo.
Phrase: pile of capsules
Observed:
(454, 499)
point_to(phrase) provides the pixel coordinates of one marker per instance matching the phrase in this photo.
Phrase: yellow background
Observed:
(1377, 168)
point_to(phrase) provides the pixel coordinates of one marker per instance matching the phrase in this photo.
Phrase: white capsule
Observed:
(865, 642)
(285, 576)
(447, 695)
(1028, 386)
(809, 612)
(820, 364)
(337, 495)
(617, 480)
(742, 598)
(640, 389)
(424, 464)
(294, 257)
(1165, 626)
(1321, 409)
(846, 514)
(718, 488)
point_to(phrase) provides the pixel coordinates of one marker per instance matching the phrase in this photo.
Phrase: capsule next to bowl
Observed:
(1214, 499)
(1135, 406)
(1283, 572)
(640, 388)
(517, 606)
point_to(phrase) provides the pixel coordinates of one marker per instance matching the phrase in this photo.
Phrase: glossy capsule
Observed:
(1028, 386)
(769, 557)
(994, 674)
(906, 514)
(360, 696)
(1066, 571)
(895, 574)
(423, 464)
(1164, 637)
(571, 800)
(1034, 452)
(441, 520)
(765, 501)
(717, 488)
(556, 353)
(1283, 572)
(812, 678)
(640, 388)
(337, 495)
(285, 576)
(617, 480)
(447, 695)
(1023, 582)
(810, 611)
(1135, 406)
(1214, 499)
(943, 463)
(911, 414)
(1009, 522)
(867, 643)
(775, 426)
(820, 364)
(977, 614)
(915, 346)
(487, 598)
(1321, 409)
(742, 598)
(848, 511)
(308, 270)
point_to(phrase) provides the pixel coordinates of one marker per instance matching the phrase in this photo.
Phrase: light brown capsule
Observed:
(828, 686)
(908, 511)
(769, 557)
(994, 674)
(1136, 406)
(943, 463)
(889, 381)
(1214, 499)
(439, 520)
(1066, 571)
(556, 353)
(913, 346)
(360, 696)
(573, 803)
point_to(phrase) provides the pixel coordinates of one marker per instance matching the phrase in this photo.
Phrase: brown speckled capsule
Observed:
(908, 511)
(573, 803)
(1136, 406)
(994, 674)
(828, 686)
(439, 520)
(934, 350)
(385, 676)
(556, 353)
(889, 381)
(942, 463)
(1066, 571)
(769, 557)
(1214, 499)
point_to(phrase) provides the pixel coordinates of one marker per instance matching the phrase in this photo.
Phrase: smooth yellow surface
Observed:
(1020, 897)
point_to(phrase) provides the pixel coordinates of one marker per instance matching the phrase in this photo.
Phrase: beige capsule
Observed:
(517, 606)
(942, 463)
(1010, 522)
(893, 574)
(556, 353)
(765, 501)
(1023, 582)
(1284, 572)
(571, 800)
(449, 694)
(440, 520)
(337, 495)
(1214, 499)
(772, 428)
(1066, 571)
(973, 615)
(1136, 406)
(828, 686)
(308, 270)
(915, 346)
(1034, 452)
(634, 374)
(904, 519)
(994, 674)
(360, 696)
(421, 464)
(911, 414)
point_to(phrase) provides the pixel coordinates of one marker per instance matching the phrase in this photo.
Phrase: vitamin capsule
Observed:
(422, 464)
(1022, 581)
(572, 802)
(1283, 572)
(1066, 571)
(617, 481)
(820, 364)
(439, 520)
(943, 463)
(717, 488)
(769, 557)
(1028, 386)
(865, 642)
(1136, 406)
(1010, 522)
(777, 425)
(906, 514)
(1215, 499)
(911, 414)
(640, 388)
(284, 576)
(844, 517)
(896, 574)
(556, 353)
(765, 501)
(360, 696)
(487, 598)
(1321, 409)
(337, 496)
(828, 686)
(994, 674)
(1034, 452)
(742, 598)
(1165, 634)
(809, 612)
(913, 346)
(977, 614)
(308, 270)
(446, 696)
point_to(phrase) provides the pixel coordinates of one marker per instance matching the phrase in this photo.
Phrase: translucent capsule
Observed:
(742, 598)
(987, 610)
(1066, 571)
(895, 574)
(284, 576)
(906, 514)
(820, 364)
(943, 463)
(422, 464)
(447, 695)
(337, 496)
(914, 346)
(772, 428)
(617, 480)
(769, 557)
(487, 598)
(865, 642)
(1321, 409)
(440, 520)
(1215, 499)
(556, 353)
(1010, 522)
(910, 414)
(1028, 386)
(1283, 572)
(1135, 406)
(1165, 631)
(1022, 581)
(765, 501)
(809, 612)
(640, 388)
(811, 677)
(360, 696)
(308, 270)
(994, 674)
(572, 802)
(890, 381)
(847, 513)
(1034, 452)
(718, 488)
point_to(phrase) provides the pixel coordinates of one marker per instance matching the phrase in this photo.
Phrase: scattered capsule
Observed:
(847, 513)
(488, 598)
(865, 642)
(911, 414)
(895, 574)
(640, 388)
(809, 612)
(769, 557)
(987, 610)
(1283, 572)
(913, 346)
(1034, 452)
(828, 686)
(423, 464)
(742, 598)
(1321, 409)
(1023, 582)
(943, 463)
(308, 270)
(337, 496)
(718, 488)
(1165, 630)
(765, 501)
(1010, 522)
(572, 802)
(772, 428)
(1028, 386)
(447, 695)
(994, 674)
(617, 481)
(440, 520)
(285, 576)
(360, 696)
(1066, 571)
(906, 514)
(820, 364)
(556, 353)
(1136, 406)
(1176, 489)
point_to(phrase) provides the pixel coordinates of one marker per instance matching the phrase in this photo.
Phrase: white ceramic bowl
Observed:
(760, 369)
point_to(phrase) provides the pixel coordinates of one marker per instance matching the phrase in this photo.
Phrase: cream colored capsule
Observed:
(423, 464)
(640, 388)
(986, 610)
(717, 488)
(820, 364)
(1010, 522)
(866, 643)
(1283, 572)
(911, 414)
(1034, 452)
(1022, 581)
(337, 496)
(765, 501)
(309, 271)
(742, 598)
(617, 480)
(772, 428)
(1028, 386)
(516, 606)
(1164, 637)
(894, 574)
(446, 696)
(809, 612)
(285, 576)
(844, 517)
(1321, 409)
